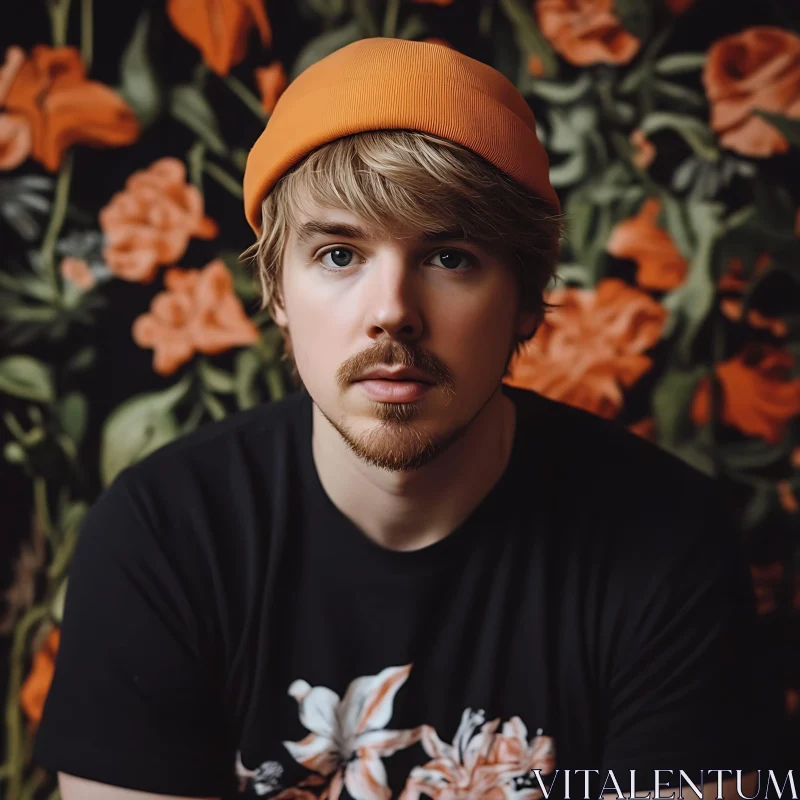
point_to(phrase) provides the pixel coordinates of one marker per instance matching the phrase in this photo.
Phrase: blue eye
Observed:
(451, 260)
(336, 256)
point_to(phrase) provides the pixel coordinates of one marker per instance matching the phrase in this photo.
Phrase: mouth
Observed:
(394, 390)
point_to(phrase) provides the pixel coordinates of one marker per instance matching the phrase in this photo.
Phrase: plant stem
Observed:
(224, 180)
(196, 159)
(13, 711)
(87, 34)
(42, 506)
(246, 96)
(57, 217)
(59, 21)
(390, 19)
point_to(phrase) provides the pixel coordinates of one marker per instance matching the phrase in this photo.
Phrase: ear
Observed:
(278, 314)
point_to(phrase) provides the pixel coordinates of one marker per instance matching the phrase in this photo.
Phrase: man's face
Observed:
(355, 301)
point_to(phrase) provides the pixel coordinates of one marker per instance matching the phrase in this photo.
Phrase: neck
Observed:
(414, 509)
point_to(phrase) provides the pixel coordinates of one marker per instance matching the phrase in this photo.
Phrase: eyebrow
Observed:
(313, 228)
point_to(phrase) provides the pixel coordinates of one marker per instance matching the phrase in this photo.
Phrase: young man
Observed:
(407, 579)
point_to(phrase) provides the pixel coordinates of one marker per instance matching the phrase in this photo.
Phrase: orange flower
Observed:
(786, 497)
(15, 140)
(589, 349)
(77, 271)
(758, 68)
(219, 28)
(535, 65)
(271, 82)
(644, 149)
(586, 31)
(646, 428)
(199, 313)
(660, 264)
(149, 224)
(759, 396)
(33, 692)
(765, 582)
(733, 308)
(62, 107)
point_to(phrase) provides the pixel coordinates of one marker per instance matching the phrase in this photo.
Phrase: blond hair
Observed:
(416, 179)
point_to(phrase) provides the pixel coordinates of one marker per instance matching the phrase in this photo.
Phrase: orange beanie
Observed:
(382, 83)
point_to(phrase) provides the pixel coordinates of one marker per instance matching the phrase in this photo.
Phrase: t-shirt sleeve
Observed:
(133, 701)
(687, 691)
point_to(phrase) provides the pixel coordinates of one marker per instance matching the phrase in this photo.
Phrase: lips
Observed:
(400, 377)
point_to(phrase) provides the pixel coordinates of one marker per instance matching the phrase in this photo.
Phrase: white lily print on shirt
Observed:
(347, 739)
(482, 765)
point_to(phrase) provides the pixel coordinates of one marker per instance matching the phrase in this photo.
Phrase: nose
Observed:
(392, 299)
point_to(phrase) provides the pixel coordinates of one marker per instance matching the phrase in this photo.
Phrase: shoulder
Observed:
(214, 470)
(221, 445)
(626, 491)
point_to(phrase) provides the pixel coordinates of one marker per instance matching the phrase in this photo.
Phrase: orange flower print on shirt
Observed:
(271, 82)
(592, 347)
(661, 266)
(758, 68)
(149, 224)
(759, 396)
(586, 31)
(220, 28)
(33, 692)
(482, 763)
(347, 738)
(199, 313)
(61, 107)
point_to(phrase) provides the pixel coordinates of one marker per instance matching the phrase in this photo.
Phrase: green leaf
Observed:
(325, 44)
(328, 9)
(215, 379)
(558, 91)
(580, 216)
(635, 16)
(138, 427)
(529, 38)
(676, 223)
(680, 93)
(680, 62)
(414, 27)
(189, 106)
(790, 128)
(139, 85)
(569, 171)
(82, 360)
(14, 453)
(73, 414)
(24, 376)
(693, 300)
(565, 137)
(696, 134)
(671, 400)
(248, 365)
(213, 406)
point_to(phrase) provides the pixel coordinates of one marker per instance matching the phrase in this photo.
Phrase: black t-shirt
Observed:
(229, 632)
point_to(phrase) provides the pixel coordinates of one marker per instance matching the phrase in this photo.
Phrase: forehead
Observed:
(315, 221)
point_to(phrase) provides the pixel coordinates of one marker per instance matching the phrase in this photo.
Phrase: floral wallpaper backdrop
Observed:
(128, 320)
